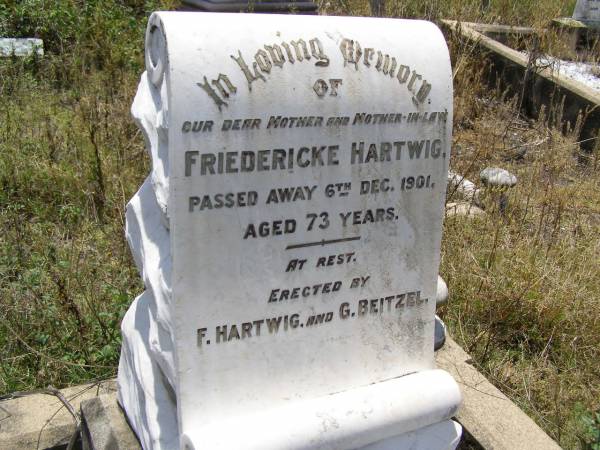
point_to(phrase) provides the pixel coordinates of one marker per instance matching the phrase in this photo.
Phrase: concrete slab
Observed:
(544, 88)
(568, 22)
(490, 417)
(34, 420)
(105, 426)
(37, 420)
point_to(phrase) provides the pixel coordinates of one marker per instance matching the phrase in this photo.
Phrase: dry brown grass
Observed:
(525, 285)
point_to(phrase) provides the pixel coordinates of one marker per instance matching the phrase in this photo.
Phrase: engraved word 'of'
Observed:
(321, 87)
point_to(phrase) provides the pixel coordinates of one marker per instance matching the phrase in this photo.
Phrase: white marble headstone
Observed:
(289, 234)
(587, 11)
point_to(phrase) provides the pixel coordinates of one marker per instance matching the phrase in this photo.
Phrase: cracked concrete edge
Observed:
(475, 33)
(37, 420)
(105, 426)
(490, 417)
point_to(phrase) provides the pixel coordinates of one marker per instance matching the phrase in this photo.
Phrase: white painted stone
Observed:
(148, 400)
(345, 359)
(398, 406)
(150, 112)
(431, 437)
(463, 209)
(495, 176)
(464, 187)
(149, 242)
(587, 11)
(441, 296)
(21, 47)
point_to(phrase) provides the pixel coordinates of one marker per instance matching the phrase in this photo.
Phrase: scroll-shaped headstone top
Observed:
(587, 11)
(307, 169)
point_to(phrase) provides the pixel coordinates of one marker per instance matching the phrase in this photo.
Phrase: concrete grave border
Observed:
(491, 420)
(543, 87)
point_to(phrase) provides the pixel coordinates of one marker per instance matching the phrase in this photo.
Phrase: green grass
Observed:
(70, 158)
(66, 270)
(524, 287)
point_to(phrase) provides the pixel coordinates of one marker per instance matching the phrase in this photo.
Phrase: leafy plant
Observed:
(590, 422)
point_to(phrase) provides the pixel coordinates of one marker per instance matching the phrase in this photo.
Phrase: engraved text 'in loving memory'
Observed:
(221, 88)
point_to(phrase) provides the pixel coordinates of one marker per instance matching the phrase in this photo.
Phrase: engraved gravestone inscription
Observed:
(587, 11)
(299, 172)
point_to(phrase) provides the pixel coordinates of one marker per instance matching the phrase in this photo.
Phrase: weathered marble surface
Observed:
(339, 420)
(587, 11)
(150, 246)
(144, 393)
(289, 234)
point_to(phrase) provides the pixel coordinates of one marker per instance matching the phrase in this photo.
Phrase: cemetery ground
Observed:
(524, 283)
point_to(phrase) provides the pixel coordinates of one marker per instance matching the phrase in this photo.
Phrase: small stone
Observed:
(463, 209)
(495, 176)
(517, 154)
(463, 187)
(440, 334)
(441, 296)
(105, 425)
